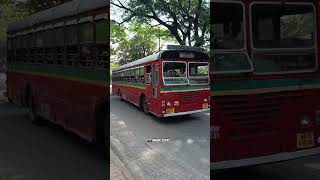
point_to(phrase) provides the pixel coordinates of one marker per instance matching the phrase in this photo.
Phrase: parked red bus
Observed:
(265, 81)
(57, 66)
(169, 83)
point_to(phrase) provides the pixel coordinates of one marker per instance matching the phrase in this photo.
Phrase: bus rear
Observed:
(264, 82)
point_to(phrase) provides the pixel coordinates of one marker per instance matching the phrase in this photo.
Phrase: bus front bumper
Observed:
(264, 159)
(185, 113)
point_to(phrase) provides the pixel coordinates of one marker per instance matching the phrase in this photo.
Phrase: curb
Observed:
(116, 161)
(144, 162)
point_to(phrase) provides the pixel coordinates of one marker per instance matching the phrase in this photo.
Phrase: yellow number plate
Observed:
(205, 105)
(305, 140)
(169, 110)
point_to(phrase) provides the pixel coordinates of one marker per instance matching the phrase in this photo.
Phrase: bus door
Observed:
(152, 83)
(155, 80)
(148, 85)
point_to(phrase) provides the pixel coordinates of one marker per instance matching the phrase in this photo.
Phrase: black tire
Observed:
(120, 95)
(102, 128)
(144, 104)
(31, 111)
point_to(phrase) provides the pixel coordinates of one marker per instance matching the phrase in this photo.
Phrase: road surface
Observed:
(188, 135)
(30, 152)
(305, 168)
(194, 129)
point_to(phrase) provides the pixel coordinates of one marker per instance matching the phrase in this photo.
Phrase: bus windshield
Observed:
(174, 73)
(283, 37)
(228, 27)
(231, 62)
(198, 73)
(228, 40)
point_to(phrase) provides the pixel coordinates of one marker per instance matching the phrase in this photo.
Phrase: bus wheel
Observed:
(120, 95)
(145, 105)
(102, 128)
(31, 111)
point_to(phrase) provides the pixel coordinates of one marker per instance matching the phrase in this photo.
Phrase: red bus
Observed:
(169, 83)
(57, 66)
(265, 81)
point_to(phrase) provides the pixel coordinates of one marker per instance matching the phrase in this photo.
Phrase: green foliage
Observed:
(113, 65)
(186, 20)
(137, 41)
(9, 13)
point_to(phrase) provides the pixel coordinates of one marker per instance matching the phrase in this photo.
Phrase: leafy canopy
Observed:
(186, 20)
(136, 41)
(9, 13)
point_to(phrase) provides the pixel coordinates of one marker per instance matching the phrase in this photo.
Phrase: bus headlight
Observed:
(205, 100)
(305, 120)
(169, 104)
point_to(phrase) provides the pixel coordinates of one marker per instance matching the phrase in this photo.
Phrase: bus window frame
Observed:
(147, 74)
(257, 50)
(84, 62)
(244, 24)
(235, 72)
(241, 50)
(99, 61)
(199, 77)
(186, 74)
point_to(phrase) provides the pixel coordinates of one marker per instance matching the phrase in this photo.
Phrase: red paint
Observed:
(188, 101)
(253, 135)
(68, 103)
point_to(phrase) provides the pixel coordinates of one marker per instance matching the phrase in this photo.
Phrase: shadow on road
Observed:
(165, 120)
(47, 151)
(249, 173)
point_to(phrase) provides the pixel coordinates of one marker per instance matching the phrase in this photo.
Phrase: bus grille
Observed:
(188, 97)
(253, 111)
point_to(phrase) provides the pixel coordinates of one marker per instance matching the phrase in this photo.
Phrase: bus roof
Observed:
(153, 58)
(64, 10)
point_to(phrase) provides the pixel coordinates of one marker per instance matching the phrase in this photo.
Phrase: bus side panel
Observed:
(131, 94)
(65, 102)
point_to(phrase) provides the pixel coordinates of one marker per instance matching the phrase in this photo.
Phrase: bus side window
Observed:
(148, 74)
(128, 75)
(102, 34)
(39, 47)
(72, 45)
(47, 39)
(86, 44)
(136, 74)
(141, 73)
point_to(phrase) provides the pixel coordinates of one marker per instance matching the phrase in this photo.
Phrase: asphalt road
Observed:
(194, 129)
(30, 152)
(301, 169)
(188, 135)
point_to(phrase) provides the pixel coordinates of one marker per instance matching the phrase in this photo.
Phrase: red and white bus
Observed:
(57, 66)
(169, 83)
(265, 81)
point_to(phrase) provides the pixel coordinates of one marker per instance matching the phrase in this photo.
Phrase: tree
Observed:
(187, 20)
(9, 13)
(136, 41)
